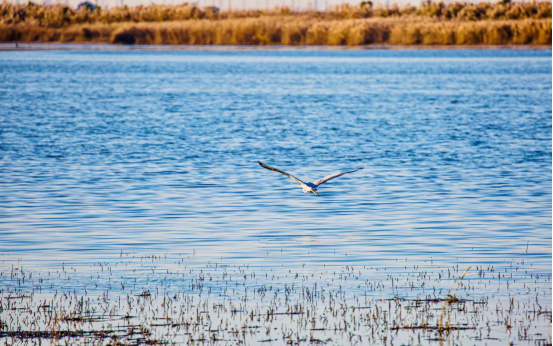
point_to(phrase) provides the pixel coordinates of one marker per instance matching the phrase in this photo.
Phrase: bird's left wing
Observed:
(281, 172)
(332, 176)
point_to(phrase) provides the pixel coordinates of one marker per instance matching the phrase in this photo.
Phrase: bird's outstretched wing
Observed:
(332, 176)
(281, 172)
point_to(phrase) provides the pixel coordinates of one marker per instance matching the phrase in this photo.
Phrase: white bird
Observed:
(308, 187)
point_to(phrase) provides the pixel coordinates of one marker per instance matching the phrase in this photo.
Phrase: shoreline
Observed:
(6, 47)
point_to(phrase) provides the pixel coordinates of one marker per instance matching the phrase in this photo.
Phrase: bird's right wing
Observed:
(281, 172)
(332, 176)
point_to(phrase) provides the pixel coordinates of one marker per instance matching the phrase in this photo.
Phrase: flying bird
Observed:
(309, 187)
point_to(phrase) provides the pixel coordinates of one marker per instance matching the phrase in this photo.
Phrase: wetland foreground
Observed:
(226, 304)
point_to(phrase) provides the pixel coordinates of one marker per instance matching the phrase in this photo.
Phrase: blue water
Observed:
(155, 152)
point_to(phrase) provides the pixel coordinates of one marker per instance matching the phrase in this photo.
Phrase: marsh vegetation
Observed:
(111, 303)
(430, 23)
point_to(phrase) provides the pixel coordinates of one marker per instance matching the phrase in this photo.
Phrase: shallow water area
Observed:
(145, 162)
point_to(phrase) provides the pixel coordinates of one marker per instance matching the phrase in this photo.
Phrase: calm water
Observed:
(105, 153)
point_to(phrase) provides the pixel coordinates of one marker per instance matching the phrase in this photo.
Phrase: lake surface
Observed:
(111, 154)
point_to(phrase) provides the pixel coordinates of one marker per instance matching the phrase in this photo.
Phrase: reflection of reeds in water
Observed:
(429, 24)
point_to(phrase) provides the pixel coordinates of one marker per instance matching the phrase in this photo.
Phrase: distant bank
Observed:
(504, 23)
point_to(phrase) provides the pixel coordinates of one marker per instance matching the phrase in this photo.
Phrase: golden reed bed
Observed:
(429, 24)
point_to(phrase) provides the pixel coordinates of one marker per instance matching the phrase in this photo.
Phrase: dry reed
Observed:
(428, 24)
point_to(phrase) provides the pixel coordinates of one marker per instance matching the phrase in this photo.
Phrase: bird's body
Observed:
(308, 187)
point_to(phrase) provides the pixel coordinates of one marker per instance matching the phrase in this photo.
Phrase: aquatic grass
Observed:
(451, 298)
(342, 306)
